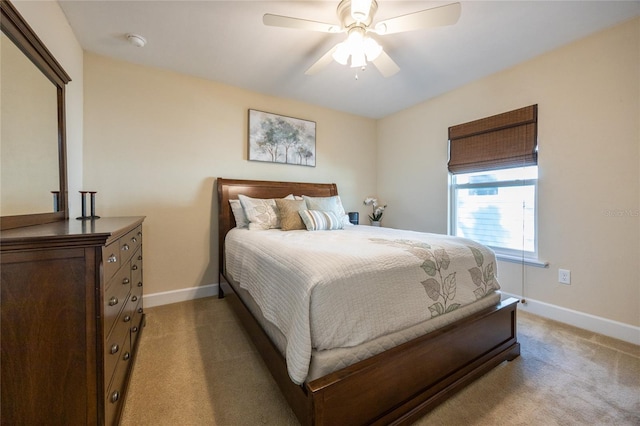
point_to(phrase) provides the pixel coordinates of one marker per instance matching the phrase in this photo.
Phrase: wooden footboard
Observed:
(393, 387)
(401, 384)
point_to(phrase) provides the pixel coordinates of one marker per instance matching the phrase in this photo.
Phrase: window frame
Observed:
(502, 253)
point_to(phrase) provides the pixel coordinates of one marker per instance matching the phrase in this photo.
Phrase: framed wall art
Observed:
(279, 139)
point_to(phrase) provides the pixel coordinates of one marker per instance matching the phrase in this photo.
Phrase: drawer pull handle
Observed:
(134, 329)
(125, 281)
(139, 283)
(134, 240)
(113, 301)
(125, 247)
(134, 298)
(112, 259)
(115, 396)
(126, 356)
(114, 348)
(126, 318)
(134, 268)
(139, 310)
(139, 233)
(140, 257)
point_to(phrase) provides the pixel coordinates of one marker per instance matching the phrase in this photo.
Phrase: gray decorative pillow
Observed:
(261, 213)
(317, 220)
(328, 204)
(238, 214)
(289, 218)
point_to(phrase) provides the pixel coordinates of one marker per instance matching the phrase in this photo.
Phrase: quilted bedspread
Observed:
(329, 289)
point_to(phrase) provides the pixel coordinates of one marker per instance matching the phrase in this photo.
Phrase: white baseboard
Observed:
(615, 329)
(182, 295)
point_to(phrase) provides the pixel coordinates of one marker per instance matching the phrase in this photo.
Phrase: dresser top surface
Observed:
(97, 231)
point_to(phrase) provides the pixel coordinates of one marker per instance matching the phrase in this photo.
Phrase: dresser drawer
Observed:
(136, 280)
(115, 297)
(130, 243)
(111, 259)
(115, 343)
(136, 323)
(114, 397)
(136, 269)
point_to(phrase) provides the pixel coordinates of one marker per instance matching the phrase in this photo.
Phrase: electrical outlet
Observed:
(564, 276)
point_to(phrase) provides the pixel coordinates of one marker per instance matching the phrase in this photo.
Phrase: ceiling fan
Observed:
(356, 19)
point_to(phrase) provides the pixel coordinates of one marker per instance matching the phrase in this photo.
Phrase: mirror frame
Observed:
(16, 28)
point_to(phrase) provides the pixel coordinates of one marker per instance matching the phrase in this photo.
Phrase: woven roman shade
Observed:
(497, 142)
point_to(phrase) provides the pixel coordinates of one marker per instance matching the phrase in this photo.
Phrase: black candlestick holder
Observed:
(83, 197)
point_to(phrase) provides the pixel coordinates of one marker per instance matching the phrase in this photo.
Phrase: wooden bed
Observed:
(394, 387)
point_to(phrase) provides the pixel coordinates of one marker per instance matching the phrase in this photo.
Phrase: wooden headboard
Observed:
(228, 189)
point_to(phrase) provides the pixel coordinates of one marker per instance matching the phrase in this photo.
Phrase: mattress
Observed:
(327, 291)
(330, 360)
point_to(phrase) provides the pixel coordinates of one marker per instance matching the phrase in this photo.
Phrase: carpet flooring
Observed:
(196, 366)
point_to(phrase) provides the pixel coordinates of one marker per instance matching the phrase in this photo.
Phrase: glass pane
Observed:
(500, 217)
(517, 173)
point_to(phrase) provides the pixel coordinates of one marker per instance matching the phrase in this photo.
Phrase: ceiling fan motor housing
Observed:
(344, 14)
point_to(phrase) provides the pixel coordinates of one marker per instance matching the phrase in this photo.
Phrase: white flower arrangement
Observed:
(378, 210)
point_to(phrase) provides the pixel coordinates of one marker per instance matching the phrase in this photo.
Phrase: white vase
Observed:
(375, 223)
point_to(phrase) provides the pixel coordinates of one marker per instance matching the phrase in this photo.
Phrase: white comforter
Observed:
(328, 289)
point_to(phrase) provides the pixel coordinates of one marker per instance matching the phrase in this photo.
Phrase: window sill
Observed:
(523, 260)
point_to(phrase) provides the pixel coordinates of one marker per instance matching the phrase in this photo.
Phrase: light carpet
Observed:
(197, 366)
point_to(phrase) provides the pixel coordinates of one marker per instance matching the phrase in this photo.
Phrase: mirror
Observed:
(33, 187)
(29, 159)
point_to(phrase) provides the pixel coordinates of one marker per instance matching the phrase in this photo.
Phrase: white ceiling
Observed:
(225, 41)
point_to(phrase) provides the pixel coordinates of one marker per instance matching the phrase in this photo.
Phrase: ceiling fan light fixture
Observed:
(358, 59)
(341, 53)
(355, 39)
(360, 9)
(359, 47)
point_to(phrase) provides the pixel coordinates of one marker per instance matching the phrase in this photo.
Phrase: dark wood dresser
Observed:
(71, 317)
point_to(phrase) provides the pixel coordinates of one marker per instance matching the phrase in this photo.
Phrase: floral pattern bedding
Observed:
(329, 289)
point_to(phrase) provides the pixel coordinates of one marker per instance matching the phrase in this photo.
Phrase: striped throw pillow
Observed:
(318, 220)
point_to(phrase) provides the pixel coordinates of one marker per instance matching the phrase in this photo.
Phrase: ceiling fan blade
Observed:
(322, 62)
(385, 65)
(301, 24)
(435, 17)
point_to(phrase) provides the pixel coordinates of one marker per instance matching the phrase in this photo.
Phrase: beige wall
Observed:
(50, 24)
(156, 140)
(588, 97)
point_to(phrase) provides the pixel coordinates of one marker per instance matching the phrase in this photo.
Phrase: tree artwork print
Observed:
(279, 139)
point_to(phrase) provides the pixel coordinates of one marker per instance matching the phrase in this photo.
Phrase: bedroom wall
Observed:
(588, 96)
(156, 140)
(50, 24)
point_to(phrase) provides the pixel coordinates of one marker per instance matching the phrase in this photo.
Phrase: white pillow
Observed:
(261, 213)
(328, 204)
(238, 214)
(318, 220)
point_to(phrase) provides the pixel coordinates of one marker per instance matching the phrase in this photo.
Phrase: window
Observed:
(497, 208)
(493, 163)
